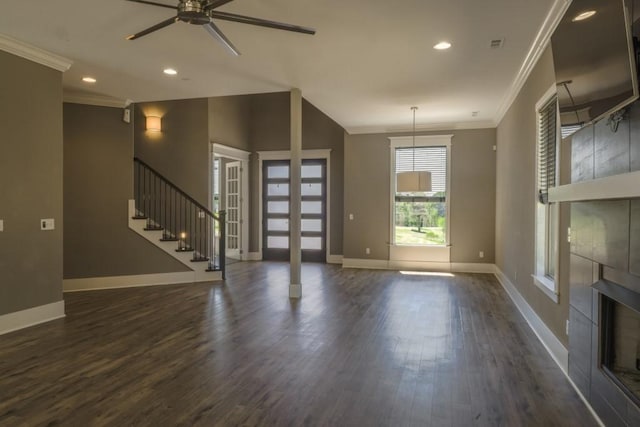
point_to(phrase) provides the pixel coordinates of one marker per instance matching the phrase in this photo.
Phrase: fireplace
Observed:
(619, 340)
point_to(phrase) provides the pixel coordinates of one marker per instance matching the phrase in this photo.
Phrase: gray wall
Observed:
(516, 199)
(262, 123)
(181, 151)
(98, 182)
(367, 195)
(229, 121)
(30, 184)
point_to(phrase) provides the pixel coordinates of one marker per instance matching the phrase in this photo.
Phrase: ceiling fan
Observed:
(202, 12)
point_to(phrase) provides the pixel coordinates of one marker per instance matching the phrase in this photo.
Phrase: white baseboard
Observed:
(31, 316)
(334, 259)
(115, 282)
(553, 346)
(374, 264)
(254, 256)
(556, 349)
(455, 267)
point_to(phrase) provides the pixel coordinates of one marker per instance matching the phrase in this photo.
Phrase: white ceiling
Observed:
(369, 62)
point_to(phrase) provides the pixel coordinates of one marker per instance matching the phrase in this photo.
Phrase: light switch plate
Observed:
(47, 224)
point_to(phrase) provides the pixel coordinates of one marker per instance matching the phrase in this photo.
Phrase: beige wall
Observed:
(181, 151)
(30, 184)
(98, 182)
(367, 195)
(516, 198)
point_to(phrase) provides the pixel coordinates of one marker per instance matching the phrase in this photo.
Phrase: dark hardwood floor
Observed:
(362, 348)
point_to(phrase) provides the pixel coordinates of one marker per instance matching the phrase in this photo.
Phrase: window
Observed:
(420, 218)
(547, 213)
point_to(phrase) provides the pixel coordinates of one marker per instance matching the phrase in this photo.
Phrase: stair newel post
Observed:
(223, 235)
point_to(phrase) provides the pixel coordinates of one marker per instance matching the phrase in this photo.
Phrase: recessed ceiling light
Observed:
(88, 79)
(170, 71)
(584, 15)
(442, 46)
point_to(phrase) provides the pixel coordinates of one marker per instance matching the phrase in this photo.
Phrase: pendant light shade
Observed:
(413, 181)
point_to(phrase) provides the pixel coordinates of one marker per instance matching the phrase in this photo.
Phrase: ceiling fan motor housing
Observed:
(193, 12)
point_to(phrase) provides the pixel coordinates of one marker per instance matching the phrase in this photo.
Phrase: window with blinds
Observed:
(432, 159)
(421, 217)
(547, 141)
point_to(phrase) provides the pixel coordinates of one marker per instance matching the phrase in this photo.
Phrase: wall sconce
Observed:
(154, 124)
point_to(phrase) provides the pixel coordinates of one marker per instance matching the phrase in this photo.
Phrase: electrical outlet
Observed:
(1, 225)
(47, 224)
(481, 254)
(568, 234)
(368, 251)
(567, 327)
(201, 214)
(350, 217)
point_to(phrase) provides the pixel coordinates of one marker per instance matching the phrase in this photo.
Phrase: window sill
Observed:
(547, 286)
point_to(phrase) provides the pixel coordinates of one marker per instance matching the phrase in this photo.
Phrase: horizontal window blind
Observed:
(547, 128)
(432, 159)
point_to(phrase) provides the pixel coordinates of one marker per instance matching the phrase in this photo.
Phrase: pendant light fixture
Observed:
(413, 181)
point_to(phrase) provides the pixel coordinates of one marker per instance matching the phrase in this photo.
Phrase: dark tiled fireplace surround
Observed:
(605, 267)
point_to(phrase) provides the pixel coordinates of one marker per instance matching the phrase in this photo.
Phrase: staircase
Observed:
(168, 217)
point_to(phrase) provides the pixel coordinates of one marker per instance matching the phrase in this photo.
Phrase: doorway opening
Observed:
(229, 192)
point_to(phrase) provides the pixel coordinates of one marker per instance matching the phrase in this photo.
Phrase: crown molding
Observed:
(481, 124)
(94, 99)
(34, 54)
(535, 52)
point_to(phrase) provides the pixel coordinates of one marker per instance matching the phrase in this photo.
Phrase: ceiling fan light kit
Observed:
(203, 12)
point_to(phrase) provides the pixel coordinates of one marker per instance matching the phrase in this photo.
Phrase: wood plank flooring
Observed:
(362, 348)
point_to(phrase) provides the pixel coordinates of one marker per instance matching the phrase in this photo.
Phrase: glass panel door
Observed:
(275, 210)
(276, 199)
(233, 207)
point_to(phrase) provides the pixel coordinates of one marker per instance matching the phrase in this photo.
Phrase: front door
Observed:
(276, 215)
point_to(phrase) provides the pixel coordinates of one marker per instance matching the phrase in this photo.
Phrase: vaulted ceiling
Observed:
(369, 62)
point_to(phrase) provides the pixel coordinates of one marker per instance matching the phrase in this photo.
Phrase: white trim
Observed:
(334, 259)
(432, 127)
(34, 54)
(94, 99)
(230, 152)
(547, 286)
(555, 348)
(133, 281)
(242, 156)
(295, 290)
(536, 50)
(324, 153)
(421, 141)
(455, 267)
(31, 317)
(254, 256)
(375, 264)
(624, 186)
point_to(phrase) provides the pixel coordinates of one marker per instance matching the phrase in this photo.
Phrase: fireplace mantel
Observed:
(624, 186)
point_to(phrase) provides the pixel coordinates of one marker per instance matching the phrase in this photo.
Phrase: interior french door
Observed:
(234, 209)
(275, 205)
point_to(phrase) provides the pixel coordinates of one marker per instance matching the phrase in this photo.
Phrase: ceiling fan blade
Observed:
(152, 29)
(152, 3)
(260, 22)
(219, 36)
(216, 3)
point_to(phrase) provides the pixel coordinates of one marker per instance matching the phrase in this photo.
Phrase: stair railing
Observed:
(181, 218)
